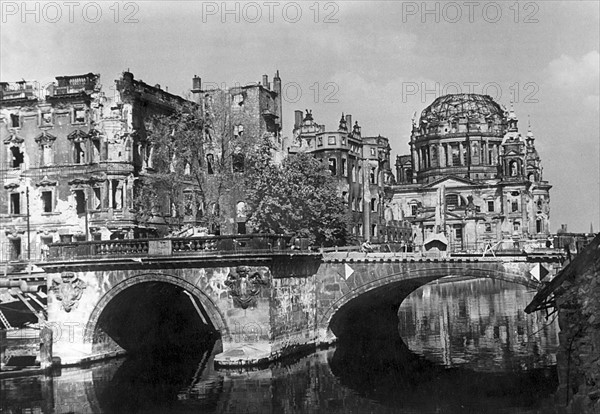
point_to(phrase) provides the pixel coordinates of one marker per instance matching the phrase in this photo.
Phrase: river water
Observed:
(466, 347)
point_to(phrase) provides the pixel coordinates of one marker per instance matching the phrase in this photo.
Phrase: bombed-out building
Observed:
(237, 119)
(74, 154)
(70, 160)
(361, 165)
(473, 177)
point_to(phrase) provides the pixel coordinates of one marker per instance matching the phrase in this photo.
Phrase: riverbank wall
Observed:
(578, 301)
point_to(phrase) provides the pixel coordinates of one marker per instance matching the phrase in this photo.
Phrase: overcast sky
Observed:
(379, 61)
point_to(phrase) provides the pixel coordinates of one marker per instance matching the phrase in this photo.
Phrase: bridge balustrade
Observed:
(205, 245)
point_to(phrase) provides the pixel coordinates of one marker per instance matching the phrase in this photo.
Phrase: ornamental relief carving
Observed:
(68, 290)
(245, 284)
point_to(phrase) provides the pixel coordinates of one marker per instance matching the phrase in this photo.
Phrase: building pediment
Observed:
(78, 136)
(11, 186)
(449, 181)
(45, 138)
(13, 139)
(45, 182)
(97, 179)
(79, 181)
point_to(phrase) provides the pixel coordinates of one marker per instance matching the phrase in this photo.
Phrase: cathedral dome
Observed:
(478, 109)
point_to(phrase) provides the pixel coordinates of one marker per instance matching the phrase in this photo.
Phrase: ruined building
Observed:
(237, 119)
(73, 153)
(472, 177)
(362, 168)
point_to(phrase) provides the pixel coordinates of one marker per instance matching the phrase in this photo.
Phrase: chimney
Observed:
(196, 89)
(265, 81)
(297, 119)
(196, 83)
(278, 104)
(349, 122)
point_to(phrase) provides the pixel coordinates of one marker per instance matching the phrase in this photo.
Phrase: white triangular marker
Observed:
(535, 272)
(348, 271)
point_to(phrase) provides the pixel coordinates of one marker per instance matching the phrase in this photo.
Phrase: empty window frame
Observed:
(15, 203)
(80, 201)
(47, 202)
(333, 166)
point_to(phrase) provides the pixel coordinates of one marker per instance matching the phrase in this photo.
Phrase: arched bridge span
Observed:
(352, 287)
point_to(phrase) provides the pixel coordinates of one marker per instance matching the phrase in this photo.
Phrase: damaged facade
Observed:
(362, 168)
(70, 160)
(473, 177)
(72, 156)
(240, 117)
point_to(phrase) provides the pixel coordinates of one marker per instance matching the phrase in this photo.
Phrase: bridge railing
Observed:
(178, 246)
(506, 246)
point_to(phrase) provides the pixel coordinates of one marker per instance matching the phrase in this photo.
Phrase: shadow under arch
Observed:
(382, 297)
(212, 312)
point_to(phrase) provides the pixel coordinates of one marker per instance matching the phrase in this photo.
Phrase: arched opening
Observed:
(372, 308)
(475, 326)
(153, 317)
(373, 313)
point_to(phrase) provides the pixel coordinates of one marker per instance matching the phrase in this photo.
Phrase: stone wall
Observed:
(578, 358)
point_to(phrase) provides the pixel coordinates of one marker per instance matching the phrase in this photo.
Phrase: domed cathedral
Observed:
(472, 177)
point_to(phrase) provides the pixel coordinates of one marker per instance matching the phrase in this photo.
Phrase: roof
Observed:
(463, 105)
(436, 237)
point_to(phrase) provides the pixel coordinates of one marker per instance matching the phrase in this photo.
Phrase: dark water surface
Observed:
(466, 347)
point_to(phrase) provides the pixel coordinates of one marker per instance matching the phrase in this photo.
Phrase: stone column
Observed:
(485, 160)
(416, 160)
(110, 193)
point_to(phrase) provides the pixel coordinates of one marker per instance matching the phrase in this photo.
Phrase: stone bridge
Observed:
(260, 298)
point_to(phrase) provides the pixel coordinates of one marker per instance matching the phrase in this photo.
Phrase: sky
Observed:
(382, 62)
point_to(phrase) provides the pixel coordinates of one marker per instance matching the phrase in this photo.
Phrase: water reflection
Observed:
(479, 324)
(369, 374)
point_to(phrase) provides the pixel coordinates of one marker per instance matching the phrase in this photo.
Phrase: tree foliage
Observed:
(191, 163)
(298, 197)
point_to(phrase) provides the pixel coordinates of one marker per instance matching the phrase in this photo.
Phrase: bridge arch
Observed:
(391, 290)
(212, 312)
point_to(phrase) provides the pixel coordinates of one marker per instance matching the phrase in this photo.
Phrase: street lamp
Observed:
(28, 224)
(85, 207)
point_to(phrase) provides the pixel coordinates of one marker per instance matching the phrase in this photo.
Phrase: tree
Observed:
(194, 157)
(297, 197)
